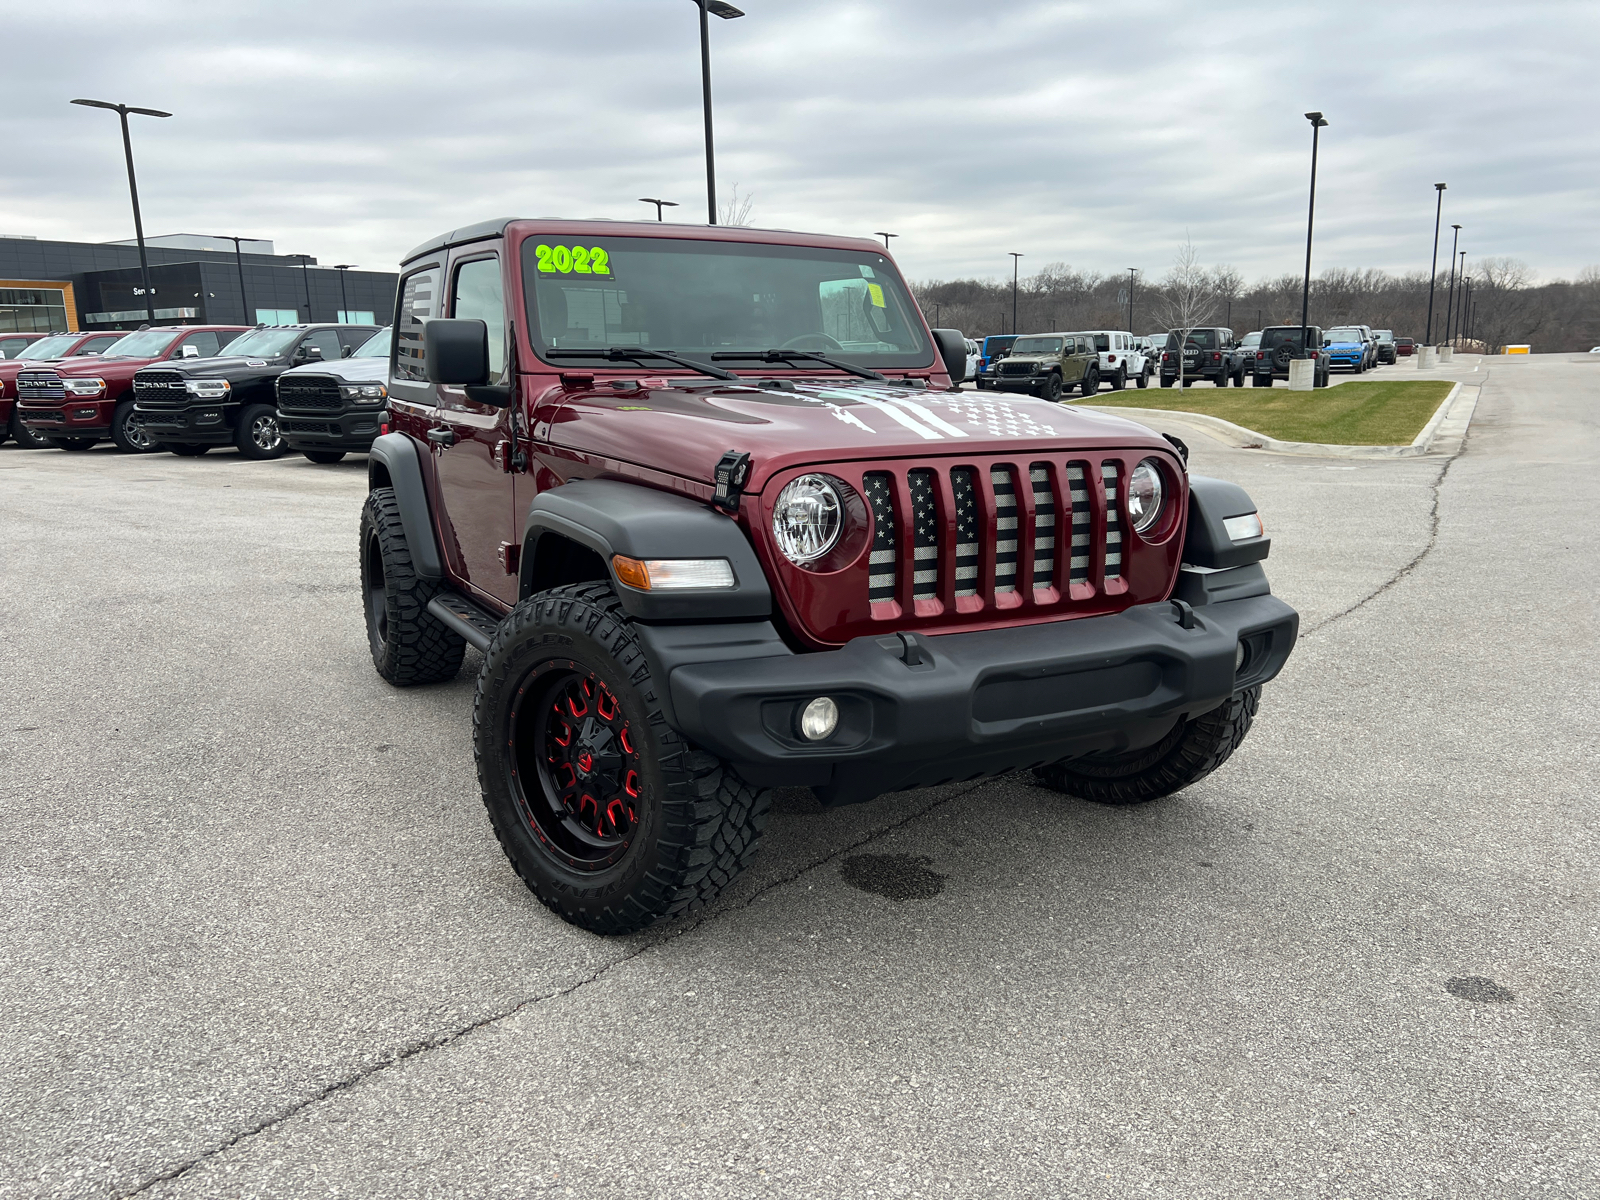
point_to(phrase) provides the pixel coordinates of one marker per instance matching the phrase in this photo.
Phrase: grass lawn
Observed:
(1351, 414)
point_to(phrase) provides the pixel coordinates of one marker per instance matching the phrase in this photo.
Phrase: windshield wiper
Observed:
(778, 356)
(634, 354)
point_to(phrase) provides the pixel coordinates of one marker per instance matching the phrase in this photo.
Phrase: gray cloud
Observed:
(1092, 134)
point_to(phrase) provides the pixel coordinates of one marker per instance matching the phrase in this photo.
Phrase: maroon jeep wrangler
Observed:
(712, 507)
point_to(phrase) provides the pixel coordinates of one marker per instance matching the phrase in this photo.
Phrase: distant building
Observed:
(50, 286)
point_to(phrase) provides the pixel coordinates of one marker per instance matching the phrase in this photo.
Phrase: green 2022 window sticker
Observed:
(573, 260)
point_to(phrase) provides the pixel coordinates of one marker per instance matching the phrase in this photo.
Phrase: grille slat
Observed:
(40, 385)
(879, 489)
(1005, 523)
(925, 535)
(1044, 526)
(1111, 474)
(1082, 518)
(966, 494)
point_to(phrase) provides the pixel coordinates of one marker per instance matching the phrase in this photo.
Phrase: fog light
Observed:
(820, 719)
(1238, 657)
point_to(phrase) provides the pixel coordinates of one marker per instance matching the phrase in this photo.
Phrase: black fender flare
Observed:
(393, 458)
(612, 517)
(1207, 544)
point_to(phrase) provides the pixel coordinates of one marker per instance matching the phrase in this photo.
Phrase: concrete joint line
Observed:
(450, 1037)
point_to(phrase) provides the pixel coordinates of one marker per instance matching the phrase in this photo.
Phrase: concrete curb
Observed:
(1442, 434)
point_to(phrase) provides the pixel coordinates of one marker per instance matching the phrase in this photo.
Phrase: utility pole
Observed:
(1132, 271)
(122, 111)
(1433, 271)
(344, 297)
(238, 260)
(1014, 259)
(1317, 124)
(727, 12)
(1450, 303)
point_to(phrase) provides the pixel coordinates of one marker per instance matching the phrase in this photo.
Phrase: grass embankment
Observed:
(1349, 414)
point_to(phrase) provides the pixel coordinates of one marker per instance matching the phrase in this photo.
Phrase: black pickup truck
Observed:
(189, 406)
(1210, 353)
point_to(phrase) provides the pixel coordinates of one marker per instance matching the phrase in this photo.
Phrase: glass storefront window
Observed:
(33, 310)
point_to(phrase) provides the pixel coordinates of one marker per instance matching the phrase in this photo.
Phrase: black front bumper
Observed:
(197, 425)
(349, 429)
(978, 704)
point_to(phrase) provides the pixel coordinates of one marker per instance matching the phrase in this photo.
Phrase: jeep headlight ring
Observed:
(808, 517)
(1146, 496)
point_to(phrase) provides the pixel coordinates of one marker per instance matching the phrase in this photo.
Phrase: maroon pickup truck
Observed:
(75, 405)
(51, 349)
(710, 506)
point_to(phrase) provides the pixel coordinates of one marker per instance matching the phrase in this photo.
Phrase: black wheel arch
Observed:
(392, 463)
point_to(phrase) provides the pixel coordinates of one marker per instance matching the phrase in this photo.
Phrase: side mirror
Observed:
(456, 351)
(953, 350)
(347, 352)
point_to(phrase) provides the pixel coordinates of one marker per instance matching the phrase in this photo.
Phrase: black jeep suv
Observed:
(1280, 345)
(192, 405)
(1209, 353)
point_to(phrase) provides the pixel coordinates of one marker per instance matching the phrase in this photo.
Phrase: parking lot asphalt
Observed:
(256, 938)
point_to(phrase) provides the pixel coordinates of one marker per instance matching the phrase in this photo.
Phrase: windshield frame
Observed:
(901, 305)
(1058, 340)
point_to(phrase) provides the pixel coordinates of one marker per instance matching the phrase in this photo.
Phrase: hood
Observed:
(685, 429)
(222, 365)
(79, 367)
(351, 370)
(1342, 345)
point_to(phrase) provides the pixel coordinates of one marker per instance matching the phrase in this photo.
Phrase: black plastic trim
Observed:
(1207, 544)
(1198, 588)
(611, 517)
(398, 454)
(477, 625)
(459, 237)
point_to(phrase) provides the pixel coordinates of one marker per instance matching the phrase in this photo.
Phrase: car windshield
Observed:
(696, 298)
(1383, 335)
(1271, 339)
(50, 347)
(147, 343)
(999, 341)
(1206, 339)
(1036, 345)
(1251, 340)
(264, 343)
(376, 346)
(1344, 334)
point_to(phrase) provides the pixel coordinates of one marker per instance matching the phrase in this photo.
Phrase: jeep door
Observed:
(472, 441)
(1075, 357)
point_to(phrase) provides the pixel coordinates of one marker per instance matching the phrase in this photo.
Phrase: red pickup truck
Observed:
(45, 350)
(74, 405)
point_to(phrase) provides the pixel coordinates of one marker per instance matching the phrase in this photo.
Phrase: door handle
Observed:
(442, 437)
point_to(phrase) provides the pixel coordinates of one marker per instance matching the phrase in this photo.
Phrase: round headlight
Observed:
(807, 519)
(1145, 496)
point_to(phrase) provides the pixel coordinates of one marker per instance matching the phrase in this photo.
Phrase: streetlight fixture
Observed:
(305, 268)
(238, 260)
(885, 237)
(1132, 271)
(1317, 125)
(1461, 309)
(122, 111)
(344, 298)
(660, 204)
(1433, 272)
(1450, 303)
(727, 12)
(1015, 256)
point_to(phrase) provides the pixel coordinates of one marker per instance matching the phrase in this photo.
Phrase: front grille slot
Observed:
(310, 394)
(1005, 523)
(160, 387)
(879, 489)
(307, 427)
(40, 385)
(925, 535)
(1111, 473)
(967, 550)
(1078, 489)
(1044, 526)
(1016, 368)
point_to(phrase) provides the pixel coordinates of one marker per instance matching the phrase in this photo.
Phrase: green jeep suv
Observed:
(1048, 364)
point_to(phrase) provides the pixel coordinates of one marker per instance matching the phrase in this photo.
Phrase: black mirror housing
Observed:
(456, 351)
(953, 350)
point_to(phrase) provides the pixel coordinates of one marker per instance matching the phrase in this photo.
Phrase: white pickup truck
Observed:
(1123, 359)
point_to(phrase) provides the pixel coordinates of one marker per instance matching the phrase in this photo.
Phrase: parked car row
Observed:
(1049, 365)
(318, 389)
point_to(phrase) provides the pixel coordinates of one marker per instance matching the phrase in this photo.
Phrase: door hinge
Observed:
(510, 557)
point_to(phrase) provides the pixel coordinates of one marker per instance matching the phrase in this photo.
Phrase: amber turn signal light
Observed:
(672, 574)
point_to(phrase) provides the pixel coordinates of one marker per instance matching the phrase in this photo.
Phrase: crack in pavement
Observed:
(449, 1037)
(1433, 537)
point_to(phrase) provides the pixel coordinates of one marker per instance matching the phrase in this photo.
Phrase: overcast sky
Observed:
(1092, 134)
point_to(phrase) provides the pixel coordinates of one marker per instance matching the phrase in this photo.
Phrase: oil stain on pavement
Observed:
(1476, 987)
(897, 877)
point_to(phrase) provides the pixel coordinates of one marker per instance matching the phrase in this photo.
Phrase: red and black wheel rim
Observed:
(574, 765)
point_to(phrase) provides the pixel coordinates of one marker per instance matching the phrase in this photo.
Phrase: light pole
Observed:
(122, 111)
(238, 260)
(1132, 271)
(1449, 304)
(885, 237)
(344, 298)
(1317, 124)
(660, 204)
(305, 268)
(1433, 271)
(1461, 308)
(1014, 259)
(727, 12)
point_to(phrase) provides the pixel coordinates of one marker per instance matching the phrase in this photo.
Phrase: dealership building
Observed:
(61, 287)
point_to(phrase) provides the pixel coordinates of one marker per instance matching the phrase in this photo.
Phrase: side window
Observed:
(95, 345)
(415, 304)
(206, 343)
(325, 340)
(352, 339)
(479, 295)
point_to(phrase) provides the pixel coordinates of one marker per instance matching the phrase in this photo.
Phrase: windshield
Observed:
(1036, 345)
(1251, 340)
(264, 343)
(1344, 334)
(1383, 335)
(698, 297)
(1206, 339)
(147, 343)
(1273, 338)
(50, 347)
(376, 346)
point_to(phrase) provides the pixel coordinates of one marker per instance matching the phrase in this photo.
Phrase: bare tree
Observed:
(1507, 304)
(735, 210)
(1187, 300)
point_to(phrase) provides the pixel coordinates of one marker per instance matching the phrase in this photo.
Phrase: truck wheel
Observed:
(985, 385)
(131, 438)
(325, 457)
(1052, 388)
(1165, 382)
(27, 438)
(1189, 753)
(187, 449)
(1144, 378)
(74, 443)
(258, 435)
(612, 820)
(1119, 381)
(1262, 381)
(1091, 383)
(409, 644)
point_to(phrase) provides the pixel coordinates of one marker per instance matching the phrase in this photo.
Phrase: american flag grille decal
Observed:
(966, 531)
(1044, 524)
(1109, 472)
(1005, 523)
(879, 489)
(925, 535)
(1081, 516)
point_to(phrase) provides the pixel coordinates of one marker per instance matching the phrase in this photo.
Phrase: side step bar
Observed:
(466, 618)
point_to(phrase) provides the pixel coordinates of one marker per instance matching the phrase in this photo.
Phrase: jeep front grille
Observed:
(1016, 368)
(309, 393)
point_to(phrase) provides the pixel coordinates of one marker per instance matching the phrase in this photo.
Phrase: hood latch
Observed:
(733, 468)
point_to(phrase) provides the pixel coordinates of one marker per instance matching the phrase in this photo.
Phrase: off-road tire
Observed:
(1165, 382)
(1052, 388)
(1091, 384)
(1193, 750)
(325, 457)
(25, 437)
(186, 449)
(130, 438)
(409, 644)
(698, 824)
(257, 422)
(1119, 381)
(1261, 381)
(83, 443)
(984, 385)
(1144, 378)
